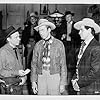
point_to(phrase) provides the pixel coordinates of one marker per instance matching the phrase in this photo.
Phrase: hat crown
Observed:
(88, 20)
(33, 15)
(69, 12)
(9, 30)
(41, 21)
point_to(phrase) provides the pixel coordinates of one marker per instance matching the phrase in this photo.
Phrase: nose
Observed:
(19, 38)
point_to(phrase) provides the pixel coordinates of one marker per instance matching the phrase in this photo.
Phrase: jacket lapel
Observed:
(88, 49)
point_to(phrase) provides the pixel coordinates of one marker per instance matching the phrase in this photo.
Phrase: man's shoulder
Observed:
(3, 49)
(39, 43)
(59, 42)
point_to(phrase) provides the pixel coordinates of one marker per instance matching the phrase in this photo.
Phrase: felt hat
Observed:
(9, 31)
(44, 22)
(87, 22)
(68, 12)
(33, 15)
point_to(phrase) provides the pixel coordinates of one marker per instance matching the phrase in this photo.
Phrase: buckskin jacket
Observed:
(57, 62)
(89, 69)
(9, 64)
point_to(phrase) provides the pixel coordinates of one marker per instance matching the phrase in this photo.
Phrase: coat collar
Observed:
(88, 49)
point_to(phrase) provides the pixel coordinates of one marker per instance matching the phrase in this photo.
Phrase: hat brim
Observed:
(45, 24)
(34, 16)
(78, 25)
(70, 14)
(12, 32)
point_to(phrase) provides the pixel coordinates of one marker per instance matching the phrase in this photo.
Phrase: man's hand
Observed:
(21, 72)
(75, 85)
(62, 88)
(63, 36)
(34, 87)
(23, 80)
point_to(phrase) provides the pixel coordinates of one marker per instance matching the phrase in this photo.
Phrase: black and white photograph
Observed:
(50, 49)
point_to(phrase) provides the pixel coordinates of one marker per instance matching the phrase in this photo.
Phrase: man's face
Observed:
(33, 20)
(68, 17)
(84, 33)
(43, 31)
(14, 39)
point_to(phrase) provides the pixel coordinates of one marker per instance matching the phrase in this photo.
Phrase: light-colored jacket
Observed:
(57, 60)
(9, 64)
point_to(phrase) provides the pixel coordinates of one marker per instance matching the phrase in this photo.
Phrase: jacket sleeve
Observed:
(34, 65)
(63, 80)
(94, 73)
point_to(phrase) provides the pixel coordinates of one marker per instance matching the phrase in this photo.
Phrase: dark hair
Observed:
(48, 27)
(93, 31)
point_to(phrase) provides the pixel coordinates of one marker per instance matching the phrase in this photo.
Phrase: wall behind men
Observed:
(16, 14)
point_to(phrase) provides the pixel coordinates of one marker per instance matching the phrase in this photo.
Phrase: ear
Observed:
(49, 29)
(89, 29)
(8, 39)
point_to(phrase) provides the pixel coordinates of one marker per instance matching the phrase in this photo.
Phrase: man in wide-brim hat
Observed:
(11, 63)
(86, 79)
(48, 65)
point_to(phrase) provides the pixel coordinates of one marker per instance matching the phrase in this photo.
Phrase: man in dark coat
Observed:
(87, 77)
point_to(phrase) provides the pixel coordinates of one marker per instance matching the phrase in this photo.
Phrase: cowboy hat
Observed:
(44, 22)
(87, 22)
(68, 12)
(33, 15)
(9, 31)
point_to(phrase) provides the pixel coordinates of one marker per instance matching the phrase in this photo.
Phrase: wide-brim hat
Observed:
(34, 15)
(44, 22)
(69, 12)
(9, 31)
(87, 22)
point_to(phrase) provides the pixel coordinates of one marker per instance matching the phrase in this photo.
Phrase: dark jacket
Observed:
(62, 29)
(26, 35)
(89, 69)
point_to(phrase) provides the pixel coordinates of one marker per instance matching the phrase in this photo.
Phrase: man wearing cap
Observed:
(48, 67)
(11, 69)
(86, 80)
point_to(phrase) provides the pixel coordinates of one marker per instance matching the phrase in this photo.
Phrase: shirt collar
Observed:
(50, 40)
(70, 22)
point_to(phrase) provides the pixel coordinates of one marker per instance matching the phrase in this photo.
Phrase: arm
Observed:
(34, 70)
(63, 73)
(34, 65)
(63, 66)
